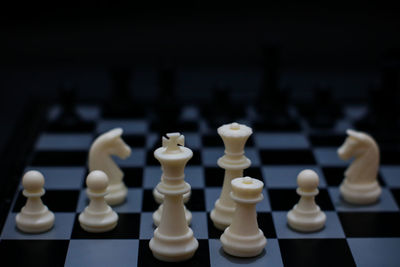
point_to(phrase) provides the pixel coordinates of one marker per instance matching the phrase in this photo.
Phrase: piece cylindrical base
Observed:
(243, 246)
(360, 194)
(310, 222)
(116, 194)
(35, 223)
(98, 223)
(173, 249)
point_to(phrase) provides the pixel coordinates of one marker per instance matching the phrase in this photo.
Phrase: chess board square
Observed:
(133, 177)
(335, 175)
(198, 225)
(102, 253)
(127, 228)
(190, 113)
(281, 141)
(61, 230)
(327, 140)
(254, 172)
(136, 159)
(134, 140)
(366, 250)
(315, 252)
(271, 256)
(370, 224)
(391, 175)
(389, 156)
(59, 158)
(195, 160)
(196, 201)
(396, 195)
(130, 126)
(86, 112)
(332, 229)
(65, 142)
(194, 175)
(192, 140)
(133, 202)
(211, 155)
(212, 194)
(385, 203)
(55, 200)
(41, 253)
(214, 176)
(327, 156)
(58, 178)
(286, 177)
(265, 223)
(285, 199)
(148, 203)
(287, 157)
(160, 126)
(201, 258)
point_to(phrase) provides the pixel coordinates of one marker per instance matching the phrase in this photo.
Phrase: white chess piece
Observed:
(243, 238)
(234, 162)
(360, 185)
(173, 239)
(160, 197)
(306, 215)
(34, 217)
(98, 216)
(106, 145)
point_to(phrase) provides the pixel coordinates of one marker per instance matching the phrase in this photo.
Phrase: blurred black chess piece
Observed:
(68, 118)
(272, 101)
(167, 107)
(323, 112)
(383, 113)
(120, 103)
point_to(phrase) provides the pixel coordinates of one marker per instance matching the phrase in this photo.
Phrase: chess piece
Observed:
(360, 185)
(306, 216)
(243, 238)
(234, 162)
(160, 197)
(173, 239)
(98, 217)
(34, 217)
(106, 145)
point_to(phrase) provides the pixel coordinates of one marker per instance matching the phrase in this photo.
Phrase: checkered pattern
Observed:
(353, 235)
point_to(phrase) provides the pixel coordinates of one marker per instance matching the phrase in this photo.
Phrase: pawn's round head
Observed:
(97, 181)
(33, 181)
(308, 180)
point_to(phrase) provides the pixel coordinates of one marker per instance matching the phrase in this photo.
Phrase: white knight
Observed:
(360, 185)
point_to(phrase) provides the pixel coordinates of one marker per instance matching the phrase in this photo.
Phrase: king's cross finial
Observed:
(171, 143)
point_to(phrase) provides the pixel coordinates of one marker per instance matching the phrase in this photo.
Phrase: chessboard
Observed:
(353, 235)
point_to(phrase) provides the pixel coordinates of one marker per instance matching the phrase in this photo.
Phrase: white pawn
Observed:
(34, 217)
(306, 216)
(243, 238)
(98, 217)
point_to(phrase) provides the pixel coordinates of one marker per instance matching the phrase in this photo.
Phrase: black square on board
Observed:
(335, 175)
(59, 158)
(327, 140)
(41, 253)
(370, 224)
(214, 176)
(127, 228)
(396, 195)
(148, 202)
(134, 140)
(201, 257)
(285, 199)
(133, 177)
(196, 201)
(55, 200)
(316, 252)
(254, 172)
(287, 157)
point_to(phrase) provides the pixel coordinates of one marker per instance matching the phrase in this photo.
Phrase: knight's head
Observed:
(115, 144)
(355, 144)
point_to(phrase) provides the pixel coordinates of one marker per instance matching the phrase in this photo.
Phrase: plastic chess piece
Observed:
(360, 185)
(159, 197)
(34, 217)
(243, 238)
(173, 239)
(106, 145)
(306, 216)
(98, 217)
(234, 162)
